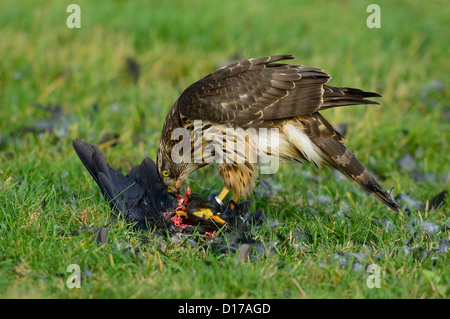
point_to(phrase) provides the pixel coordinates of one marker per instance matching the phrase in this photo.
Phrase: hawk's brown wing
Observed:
(254, 92)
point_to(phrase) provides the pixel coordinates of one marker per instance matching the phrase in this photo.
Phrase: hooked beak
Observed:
(174, 190)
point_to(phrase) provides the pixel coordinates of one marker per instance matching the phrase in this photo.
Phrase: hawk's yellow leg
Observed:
(235, 199)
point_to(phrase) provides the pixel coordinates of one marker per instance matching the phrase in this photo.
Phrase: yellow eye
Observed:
(165, 173)
(170, 189)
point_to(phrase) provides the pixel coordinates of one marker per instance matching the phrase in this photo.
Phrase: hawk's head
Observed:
(173, 171)
(168, 171)
(175, 160)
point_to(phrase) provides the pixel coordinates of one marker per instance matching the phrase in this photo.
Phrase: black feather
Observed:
(139, 196)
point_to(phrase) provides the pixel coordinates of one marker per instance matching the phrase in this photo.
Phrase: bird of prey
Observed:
(260, 94)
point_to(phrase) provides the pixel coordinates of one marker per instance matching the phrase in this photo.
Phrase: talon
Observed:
(181, 213)
(218, 219)
(206, 213)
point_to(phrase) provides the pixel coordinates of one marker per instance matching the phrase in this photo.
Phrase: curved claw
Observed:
(181, 213)
(206, 213)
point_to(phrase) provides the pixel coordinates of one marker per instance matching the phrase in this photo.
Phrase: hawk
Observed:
(260, 94)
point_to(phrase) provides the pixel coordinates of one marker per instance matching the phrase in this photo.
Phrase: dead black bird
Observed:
(139, 196)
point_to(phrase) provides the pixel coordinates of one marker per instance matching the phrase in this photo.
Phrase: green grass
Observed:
(176, 43)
